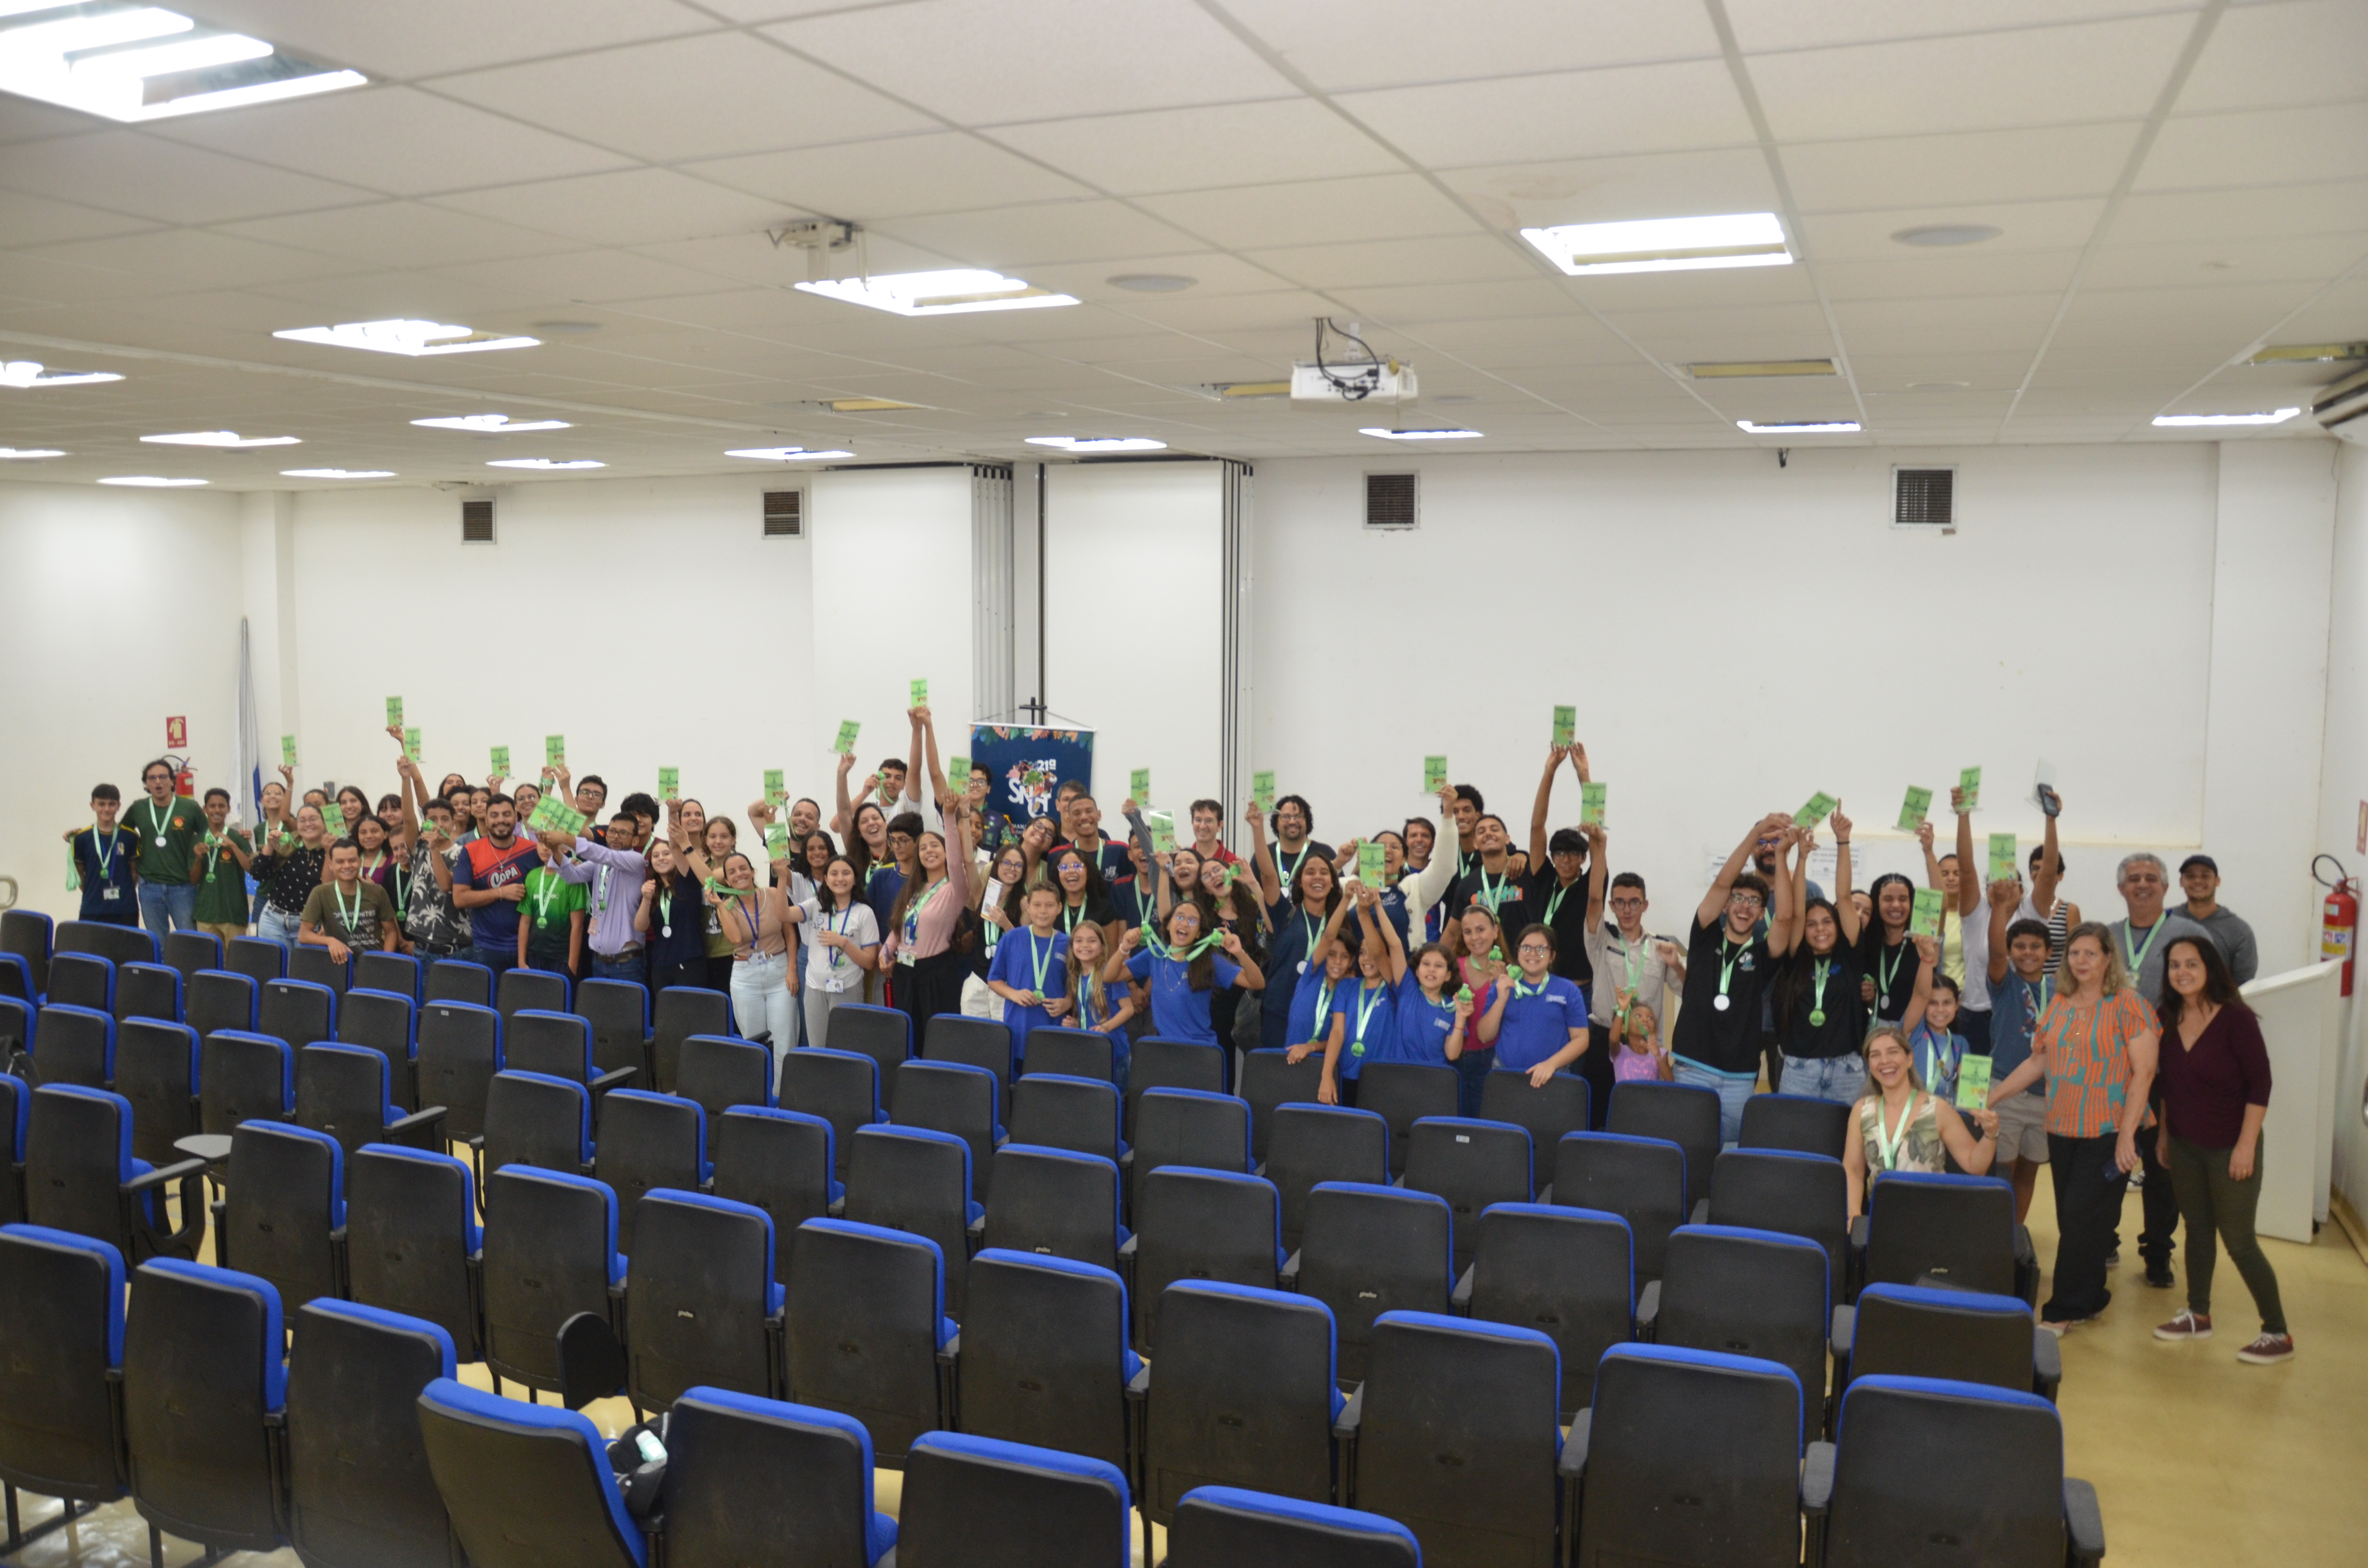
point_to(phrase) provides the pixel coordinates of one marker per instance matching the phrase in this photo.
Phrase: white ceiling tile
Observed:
(126, 171)
(1641, 109)
(1940, 276)
(754, 258)
(1708, 289)
(396, 140)
(36, 219)
(1595, 190)
(2260, 56)
(982, 61)
(629, 207)
(2325, 142)
(1959, 167)
(2340, 314)
(893, 177)
(2261, 212)
(589, 276)
(423, 37)
(2034, 310)
(1985, 81)
(1316, 212)
(2176, 312)
(710, 97)
(1217, 276)
(22, 119)
(1195, 149)
(1417, 302)
(1342, 45)
(2027, 226)
(197, 258)
(1445, 259)
(399, 234)
(1052, 230)
(2213, 263)
(1778, 26)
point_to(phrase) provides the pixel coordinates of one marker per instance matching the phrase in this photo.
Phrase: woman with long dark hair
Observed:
(842, 941)
(1296, 913)
(927, 917)
(1885, 956)
(672, 920)
(1183, 971)
(2216, 1095)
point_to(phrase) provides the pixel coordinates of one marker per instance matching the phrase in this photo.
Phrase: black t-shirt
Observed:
(1109, 858)
(1566, 917)
(1508, 895)
(1726, 1039)
(1893, 969)
(1798, 1004)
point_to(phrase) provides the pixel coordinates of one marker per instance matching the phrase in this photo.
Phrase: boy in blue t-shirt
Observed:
(106, 862)
(2021, 988)
(1030, 970)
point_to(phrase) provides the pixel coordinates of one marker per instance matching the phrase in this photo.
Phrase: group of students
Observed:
(1468, 954)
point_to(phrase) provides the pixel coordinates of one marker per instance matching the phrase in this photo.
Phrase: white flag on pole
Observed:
(246, 746)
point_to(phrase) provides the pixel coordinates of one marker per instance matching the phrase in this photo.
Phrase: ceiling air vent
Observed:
(476, 522)
(1390, 501)
(1924, 497)
(785, 514)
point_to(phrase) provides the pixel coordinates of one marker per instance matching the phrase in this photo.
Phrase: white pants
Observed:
(761, 1003)
(978, 1002)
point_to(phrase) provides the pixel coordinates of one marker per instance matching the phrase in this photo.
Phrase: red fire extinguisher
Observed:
(184, 777)
(2339, 918)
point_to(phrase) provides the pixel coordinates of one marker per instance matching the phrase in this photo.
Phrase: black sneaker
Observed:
(2158, 1275)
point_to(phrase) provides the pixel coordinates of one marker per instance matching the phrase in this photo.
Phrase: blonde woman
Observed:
(1903, 1128)
(2097, 1046)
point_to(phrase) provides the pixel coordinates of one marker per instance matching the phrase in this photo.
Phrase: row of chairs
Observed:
(362, 1448)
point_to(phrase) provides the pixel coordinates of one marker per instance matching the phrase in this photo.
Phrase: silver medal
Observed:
(160, 841)
(1302, 966)
(1719, 1001)
(666, 930)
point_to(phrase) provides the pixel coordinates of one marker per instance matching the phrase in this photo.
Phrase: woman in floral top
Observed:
(1901, 1126)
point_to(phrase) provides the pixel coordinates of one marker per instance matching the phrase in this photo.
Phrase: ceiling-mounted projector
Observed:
(1353, 382)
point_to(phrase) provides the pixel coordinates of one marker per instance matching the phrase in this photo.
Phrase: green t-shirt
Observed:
(221, 886)
(550, 902)
(179, 823)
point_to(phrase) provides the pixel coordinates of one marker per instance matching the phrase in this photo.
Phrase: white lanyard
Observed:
(161, 817)
(351, 919)
(1886, 1142)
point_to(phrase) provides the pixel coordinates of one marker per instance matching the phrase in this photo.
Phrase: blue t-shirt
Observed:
(1392, 905)
(1936, 1061)
(104, 861)
(1296, 931)
(1016, 960)
(1537, 1025)
(1373, 1031)
(1179, 1012)
(484, 865)
(2016, 1005)
(882, 885)
(1424, 1026)
(1308, 998)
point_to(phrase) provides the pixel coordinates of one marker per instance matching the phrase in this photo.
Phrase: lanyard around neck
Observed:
(2138, 955)
(1886, 1142)
(1041, 958)
(108, 858)
(1367, 1000)
(1727, 962)
(350, 919)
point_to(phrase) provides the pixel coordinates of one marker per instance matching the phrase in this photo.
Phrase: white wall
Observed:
(118, 609)
(2344, 787)
(1133, 622)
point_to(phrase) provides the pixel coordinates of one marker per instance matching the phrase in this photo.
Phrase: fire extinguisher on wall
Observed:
(184, 777)
(2339, 917)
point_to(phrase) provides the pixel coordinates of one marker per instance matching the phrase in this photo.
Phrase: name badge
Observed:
(904, 957)
(111, 893)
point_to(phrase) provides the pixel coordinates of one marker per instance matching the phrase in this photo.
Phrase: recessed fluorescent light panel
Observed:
(783, 454)
(133, 63)
(546, 464)
(225, 439)
(25, 374)
(151, 481)
(1664, 245)
(939, 293)
(336, 473)
(2180, 420)
(492, 424)
(2304, 353)
(1804, 427)
(1099, 443)
(1723, 369)
(1419, 434)
(1938, 235)
(414, 338)
(26, 454)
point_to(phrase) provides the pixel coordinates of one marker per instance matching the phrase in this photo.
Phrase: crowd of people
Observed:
(2117, 1052)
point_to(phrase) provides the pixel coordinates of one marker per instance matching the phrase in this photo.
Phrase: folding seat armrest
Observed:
(1138, 1387)
(1859, 1231)
(2046, 1364)
(617, 1078)
(1648, 1310)
(1700, 1215)
(1351, 1416)
(1845, 1325)
(975, 1235)
(1127, 1249)
(1545, 1193)
(1126, 1161)
(179, 1170)
(1459, 1300)
(837, 1207)
(2084, 1525)
(418, 1130)
(1288, 1276)
(1817, 1479)
(1572, 1465)
(1259, 1170)
(189, 1176)
(2026, 1267)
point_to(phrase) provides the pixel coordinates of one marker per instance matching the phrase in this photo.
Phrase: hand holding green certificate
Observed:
(502, 761)
(1262, 790)
(1434, 774)
(1925, 919)
(958, 773)
(776, 792)
(845, 744)
(920, 694)
(1972, 1083)
(1566, 725)
(410, 743)
(1911, 814)
(1820, 805)
(287, 750)
(1590, 805)
(553, 814)
(555, 750)
(394, 712)
(669, 783)
(1138, 784)
(777, 841)
(2002, 858)
(1163, 832)
(1969, 784)
(1372, 861)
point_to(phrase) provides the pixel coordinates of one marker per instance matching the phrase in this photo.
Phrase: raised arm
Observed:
(1713, 903)
(1538, 806)
(1261, 860)
(913, 775)
(1927, 964)
(842, 822)
(1384, 931)
(1597, 873)
(938, 787)
(2044, 879)
(2004, 896)
(1790, 891)
(1845, 908)
(1969, 881)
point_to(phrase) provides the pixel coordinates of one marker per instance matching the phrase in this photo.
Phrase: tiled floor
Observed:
(2200, 1460)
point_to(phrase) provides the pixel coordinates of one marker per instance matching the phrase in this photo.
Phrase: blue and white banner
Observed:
(1026, 765)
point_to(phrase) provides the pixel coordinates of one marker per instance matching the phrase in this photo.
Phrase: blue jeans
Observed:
(1732, 1089)
(1841, 1079)
(631, 968)
(168, 906)
(501, 961)
(273, 926)
(1471, 1070)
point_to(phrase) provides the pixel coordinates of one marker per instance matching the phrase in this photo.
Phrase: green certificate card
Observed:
(1590, 805)
(1970, 782)
(333, 817)
(669, 783)
(1370, 863)
(502, 761)
(1163, 832)
(546, 816)
(555, 750)
(287, 750)
(394, 712)
(775, 791)
(2002, 858)
(1434, 774)
(1973, 1082)
(1138, 784)
(1565, 728)
(847, 730)
(1926, 919)
(920, 694)
(777, 841)
(1262, 790)
(410, 743)
(958, 773)
(1820, 805)
(1911, 815)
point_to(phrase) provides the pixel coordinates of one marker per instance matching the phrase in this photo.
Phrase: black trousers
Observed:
(1596, 1068)
(2158, 1233)
(2088, 1191)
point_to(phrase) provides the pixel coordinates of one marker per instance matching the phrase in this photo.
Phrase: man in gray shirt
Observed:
(2199, 877)
(2144, 935)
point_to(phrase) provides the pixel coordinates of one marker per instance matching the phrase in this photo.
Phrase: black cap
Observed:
(2205, 861)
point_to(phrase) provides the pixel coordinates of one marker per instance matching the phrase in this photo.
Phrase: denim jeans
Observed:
(275, 926)
(630, 967)
(1841, 1079)
(167, 907)
(1733, 1089)
(501, 961)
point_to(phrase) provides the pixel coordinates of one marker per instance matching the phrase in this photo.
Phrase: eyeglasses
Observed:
(1535, 950)
(1748, 900)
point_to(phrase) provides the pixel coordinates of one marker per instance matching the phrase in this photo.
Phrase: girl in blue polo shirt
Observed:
(1322, 987)
(1030, 972)
(1432, 1010)
(1098, 1006)
(1539, 1022)
(1369, 1012)
(1184, 971)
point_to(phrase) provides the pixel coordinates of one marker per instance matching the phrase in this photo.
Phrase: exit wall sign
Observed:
(176, 733)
